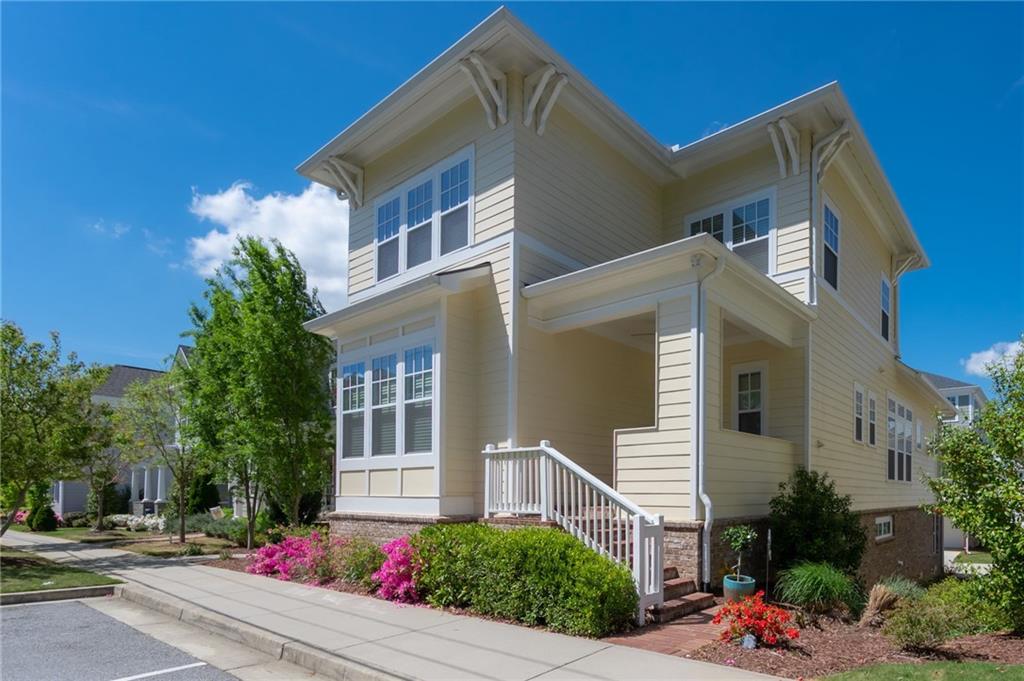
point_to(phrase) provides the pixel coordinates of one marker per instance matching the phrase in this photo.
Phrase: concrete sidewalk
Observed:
(405, 642)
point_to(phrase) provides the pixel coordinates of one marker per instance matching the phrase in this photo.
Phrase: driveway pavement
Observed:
(403, 641)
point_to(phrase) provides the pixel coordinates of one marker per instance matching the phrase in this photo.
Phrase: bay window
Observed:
(746, 226)
(396, 417)
(425, 218)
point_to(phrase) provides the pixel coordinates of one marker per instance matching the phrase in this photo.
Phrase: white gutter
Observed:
(705, 499)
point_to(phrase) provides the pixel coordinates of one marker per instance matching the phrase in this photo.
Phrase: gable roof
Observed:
(943, 382)
(509, 44)
(121, 376)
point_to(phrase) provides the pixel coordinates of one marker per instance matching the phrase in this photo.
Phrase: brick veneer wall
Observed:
(911, 551)
(382, 528)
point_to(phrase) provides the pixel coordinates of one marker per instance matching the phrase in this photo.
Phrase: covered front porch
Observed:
(704, 412)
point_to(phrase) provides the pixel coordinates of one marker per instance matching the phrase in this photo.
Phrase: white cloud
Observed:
(978, 362)
(114, 231)
(313, 225)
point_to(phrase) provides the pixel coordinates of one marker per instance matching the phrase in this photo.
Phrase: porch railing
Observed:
(542, 481)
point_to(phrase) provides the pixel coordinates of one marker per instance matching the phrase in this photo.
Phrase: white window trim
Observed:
(725, 207)
(889, 325)
(738, 369)
(365, 354)
(872, 397)
(826, 200)
(880, 521)
(858, 388)
(906, 473)
(402, 193)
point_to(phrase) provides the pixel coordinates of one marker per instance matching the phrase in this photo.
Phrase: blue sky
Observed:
(138, 138)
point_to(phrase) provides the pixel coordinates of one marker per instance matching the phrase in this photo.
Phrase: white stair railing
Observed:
(543, 481)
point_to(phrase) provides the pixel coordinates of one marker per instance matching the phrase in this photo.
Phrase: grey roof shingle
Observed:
(121, 376)
(943, 382)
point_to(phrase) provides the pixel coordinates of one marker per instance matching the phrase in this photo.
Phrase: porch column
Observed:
(147, 494)
(161, 485)
(134, 496)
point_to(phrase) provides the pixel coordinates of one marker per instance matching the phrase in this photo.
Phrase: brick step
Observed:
(682, 606)
(670, 572)
(679, 587)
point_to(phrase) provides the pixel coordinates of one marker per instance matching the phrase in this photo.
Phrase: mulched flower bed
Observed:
(833, 646)
(239, 565)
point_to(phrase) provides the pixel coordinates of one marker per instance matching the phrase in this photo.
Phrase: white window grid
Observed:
(872, 419)
(416, 205)
(858, 413)
(750, 219)
(899, 442)
(831, 230)
(750, 394)
(883, 527)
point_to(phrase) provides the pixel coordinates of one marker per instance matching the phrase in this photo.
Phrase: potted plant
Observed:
(738, 586)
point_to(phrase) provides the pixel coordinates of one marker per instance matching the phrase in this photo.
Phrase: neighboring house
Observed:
(968, 399)
(147, 482)
(652, 338)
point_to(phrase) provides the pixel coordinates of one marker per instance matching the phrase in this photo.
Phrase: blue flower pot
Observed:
(737, 588)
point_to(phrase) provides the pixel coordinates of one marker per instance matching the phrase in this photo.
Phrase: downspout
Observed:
(705, 499)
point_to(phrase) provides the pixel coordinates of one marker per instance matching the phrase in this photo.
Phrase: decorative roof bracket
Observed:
(831, 152)
(790, 136)
(490, 86)
(535, 89)
(348, 179)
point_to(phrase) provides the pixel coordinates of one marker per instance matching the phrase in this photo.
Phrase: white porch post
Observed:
(161, 484)
(147, 488)
(135, 485)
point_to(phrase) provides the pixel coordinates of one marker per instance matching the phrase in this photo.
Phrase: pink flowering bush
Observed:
(20, 516)
(396, 575)
(298, 557)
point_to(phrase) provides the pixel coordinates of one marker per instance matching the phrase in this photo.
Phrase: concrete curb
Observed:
(331, 665)
(70, 593)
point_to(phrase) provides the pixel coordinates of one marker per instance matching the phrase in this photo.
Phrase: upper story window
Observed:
(831, 263)
(886, 304)
(858, 413)
(745, 225)
(427, 217)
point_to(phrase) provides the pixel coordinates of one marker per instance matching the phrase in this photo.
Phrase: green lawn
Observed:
(21, 571)
(935, 671)
(168, 549)
(974, 557)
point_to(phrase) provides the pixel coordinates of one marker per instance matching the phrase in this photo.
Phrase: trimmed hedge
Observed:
(537, 576)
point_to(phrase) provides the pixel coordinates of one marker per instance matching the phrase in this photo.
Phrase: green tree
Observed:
(258, 389)
(980, 486)
(39, 414)
(94, 455)
(150, 424)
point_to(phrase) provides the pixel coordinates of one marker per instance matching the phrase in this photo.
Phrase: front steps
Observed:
(681, 598)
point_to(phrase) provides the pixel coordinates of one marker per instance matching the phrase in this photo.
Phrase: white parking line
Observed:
(160, 672)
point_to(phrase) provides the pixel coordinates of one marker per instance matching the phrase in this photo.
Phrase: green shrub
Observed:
(358, 559)
(917, 625)
(201, 495)
(191, 549)
(904, 587)
(532, 575)
(42, 519)
(811, 522)
(116, 500)
(971, 609)
(76, 519)
(448, 566)
(819, 588)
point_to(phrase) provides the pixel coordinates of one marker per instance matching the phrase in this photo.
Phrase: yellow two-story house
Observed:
(551, 315)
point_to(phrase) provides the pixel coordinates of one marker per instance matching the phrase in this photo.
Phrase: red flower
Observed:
(753, 616)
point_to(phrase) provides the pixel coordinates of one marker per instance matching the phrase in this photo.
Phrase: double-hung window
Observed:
(883, 527)
(872, 419)
(900, 441)
(386, 401)
(744, 225)
(858, 413)
(886, 305)
(749, 383)
(831, 263)
(426, 218)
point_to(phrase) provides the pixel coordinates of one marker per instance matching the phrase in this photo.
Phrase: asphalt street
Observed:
(69, 641)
